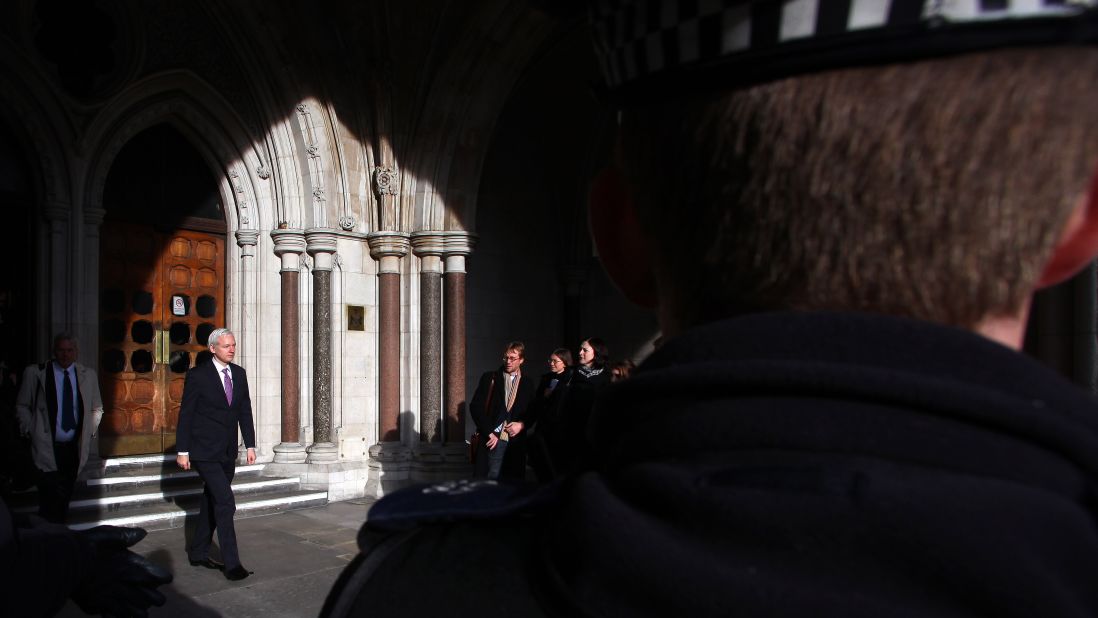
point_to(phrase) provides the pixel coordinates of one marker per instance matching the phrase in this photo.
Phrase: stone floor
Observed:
(296, 556)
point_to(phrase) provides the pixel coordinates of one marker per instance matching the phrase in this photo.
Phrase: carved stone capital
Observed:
(94, 216)
(456, 242)
(388, 244)
(287, 240)
(56, 211)
(247, 238)
(320, 240)
(426, 243)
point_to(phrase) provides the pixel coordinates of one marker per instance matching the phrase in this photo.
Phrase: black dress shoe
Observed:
(209, 563)
(237, 573)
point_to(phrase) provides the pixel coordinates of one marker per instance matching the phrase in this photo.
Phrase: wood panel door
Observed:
(161, 294)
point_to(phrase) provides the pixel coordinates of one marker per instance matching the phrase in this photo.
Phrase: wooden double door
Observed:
(161, 294)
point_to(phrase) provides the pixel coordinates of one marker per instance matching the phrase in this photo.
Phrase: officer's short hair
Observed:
(933, 189)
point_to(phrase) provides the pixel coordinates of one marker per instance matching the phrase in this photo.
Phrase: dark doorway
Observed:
(162, 286)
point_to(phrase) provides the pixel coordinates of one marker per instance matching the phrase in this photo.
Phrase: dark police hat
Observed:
(651, 49)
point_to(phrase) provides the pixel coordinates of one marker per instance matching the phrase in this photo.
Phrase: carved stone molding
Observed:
(94, 216)
(320, 242)
(456, 242)
(388, 244)
(428, 243)
(347, 222)
(386, 181)
(289, 244)
(56, 211)
(287, 240)
(247, 238)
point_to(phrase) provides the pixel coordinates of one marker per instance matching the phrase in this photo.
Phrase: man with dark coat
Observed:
(502, 397)
(216, 402)
(841, 211)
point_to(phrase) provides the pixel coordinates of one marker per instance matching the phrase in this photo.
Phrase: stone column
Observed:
(456, 247)
(388, 248)
(89, 317)
(57, 287)
(289, 244)
(321, 244)
(428, 247)
(247, 294)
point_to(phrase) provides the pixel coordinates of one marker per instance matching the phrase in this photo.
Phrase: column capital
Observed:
(458, 243)
(287, 240)
(320, 240)
(427, 242)
(56, 211)
(94, 216)
(388, 244)
(247, 238)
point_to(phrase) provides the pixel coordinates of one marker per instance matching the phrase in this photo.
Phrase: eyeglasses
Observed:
(554, 361)
(511, 359)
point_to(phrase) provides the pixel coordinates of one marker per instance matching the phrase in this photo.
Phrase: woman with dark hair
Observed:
(594, 357)
(542, 414)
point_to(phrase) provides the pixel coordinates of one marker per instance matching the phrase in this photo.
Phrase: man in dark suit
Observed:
(501, 398)
(215, 402)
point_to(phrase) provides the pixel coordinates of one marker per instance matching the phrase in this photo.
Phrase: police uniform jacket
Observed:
(804, 464)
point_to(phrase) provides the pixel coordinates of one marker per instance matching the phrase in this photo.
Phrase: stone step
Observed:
(152, 492)
(174, 513)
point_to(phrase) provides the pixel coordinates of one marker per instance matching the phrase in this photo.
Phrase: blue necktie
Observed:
(68, 417)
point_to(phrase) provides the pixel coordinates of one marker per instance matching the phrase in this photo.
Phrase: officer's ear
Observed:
(619, 239)
(1078, 244)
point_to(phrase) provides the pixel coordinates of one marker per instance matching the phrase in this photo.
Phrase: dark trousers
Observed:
(55, 487)
(216, 512)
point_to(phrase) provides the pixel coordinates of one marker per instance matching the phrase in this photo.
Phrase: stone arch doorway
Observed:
(162, 286)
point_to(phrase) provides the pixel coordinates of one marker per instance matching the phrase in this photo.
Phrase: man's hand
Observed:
(184, 461)
(514, 428)
(251, 456)
(119, 582)
(492, 441)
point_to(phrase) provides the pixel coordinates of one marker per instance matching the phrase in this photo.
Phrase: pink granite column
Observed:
(388, 248)
(428, 247)
(456, 247)
(289, 244)
(321, 244)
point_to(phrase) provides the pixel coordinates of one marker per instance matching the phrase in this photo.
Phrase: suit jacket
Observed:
(488, 408)
(207, 422)
(36, 407)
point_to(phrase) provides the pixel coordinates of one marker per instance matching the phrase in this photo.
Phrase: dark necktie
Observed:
(68, 417)
(228, 386)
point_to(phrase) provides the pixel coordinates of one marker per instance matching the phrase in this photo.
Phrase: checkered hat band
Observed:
(641, 38)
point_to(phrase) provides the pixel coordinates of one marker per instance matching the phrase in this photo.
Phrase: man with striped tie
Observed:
(216, 402)
(59, 408)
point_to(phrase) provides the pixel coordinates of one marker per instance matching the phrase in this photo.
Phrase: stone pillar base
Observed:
(342, 481)
(389, 465)
(289, 452)
(322, 453)
(440, 462)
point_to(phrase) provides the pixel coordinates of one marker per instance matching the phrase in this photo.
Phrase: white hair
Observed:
(216, 336)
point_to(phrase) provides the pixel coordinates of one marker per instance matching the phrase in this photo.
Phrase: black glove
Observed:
(119, 582)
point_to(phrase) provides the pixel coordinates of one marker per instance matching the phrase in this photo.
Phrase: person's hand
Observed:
(251, 456)
(118, 582)
(514, 428)
(184, 461)
(492, 441)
